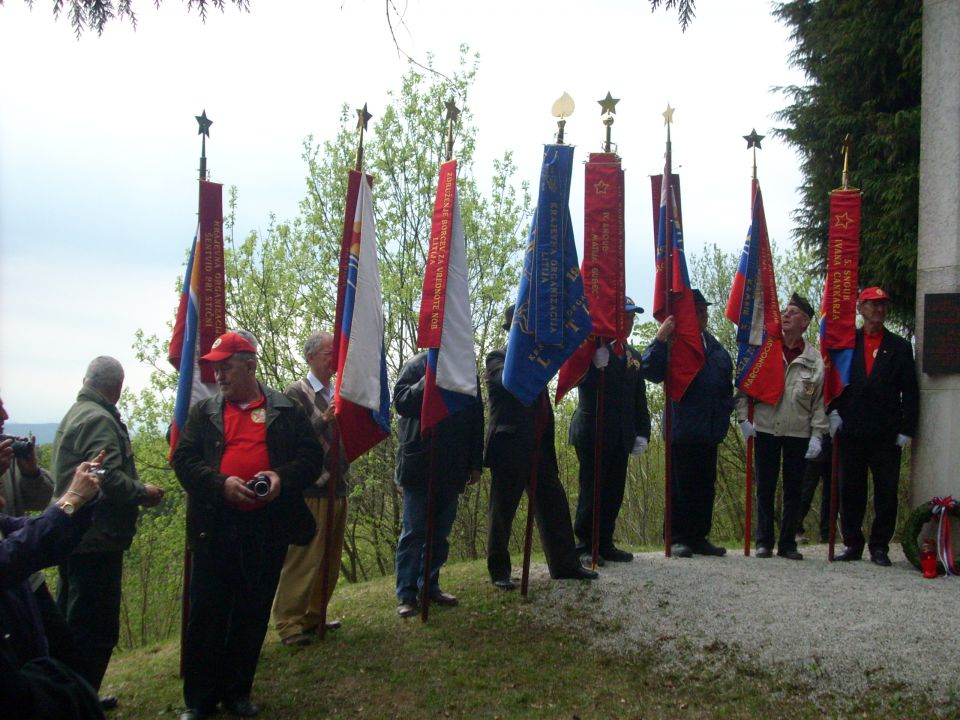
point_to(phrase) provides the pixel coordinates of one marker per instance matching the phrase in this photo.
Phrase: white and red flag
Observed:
(446, 324)
(361, 396)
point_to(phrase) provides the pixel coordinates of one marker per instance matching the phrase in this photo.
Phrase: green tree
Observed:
(863, 63)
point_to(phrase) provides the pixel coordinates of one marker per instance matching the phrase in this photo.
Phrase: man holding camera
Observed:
(91, 579)
(244, 457)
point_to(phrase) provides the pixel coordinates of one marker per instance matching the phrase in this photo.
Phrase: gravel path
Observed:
(841, 627)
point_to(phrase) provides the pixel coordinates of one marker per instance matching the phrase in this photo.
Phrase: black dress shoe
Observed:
(880, 557)
(587, 559)
(504, 584)
(615, 554)
(763, 551)
(681, 550)
(241, 707)
(849, 554)
(109, 702)
(790, 554)
(708, 548)
(578, 573)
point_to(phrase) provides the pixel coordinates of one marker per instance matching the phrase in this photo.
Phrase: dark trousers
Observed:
(59, 637)
(551, 511)
(231, 592)
(817, 472)
(411, 557)
(769, 450)
(89, 598)
(694, 487)
(613, 480)
(882, 458)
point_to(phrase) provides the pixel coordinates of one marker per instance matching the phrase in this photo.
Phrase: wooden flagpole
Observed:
(204, 131)
(540, 422)
(452, 113)
(668, 310)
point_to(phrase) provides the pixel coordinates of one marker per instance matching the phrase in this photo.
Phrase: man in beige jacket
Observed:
(787, 432)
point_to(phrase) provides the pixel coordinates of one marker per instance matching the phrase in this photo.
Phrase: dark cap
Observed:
(226, 345)
(508, 317)
(699, 299)
(801, 303)
(630, 306)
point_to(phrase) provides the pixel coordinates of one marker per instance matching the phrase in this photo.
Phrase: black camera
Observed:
(22, 447)
(260, 485)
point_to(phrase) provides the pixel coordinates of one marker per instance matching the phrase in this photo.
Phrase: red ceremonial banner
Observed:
(212, 301)
(603, 245)
(843, 253)
(430, 326)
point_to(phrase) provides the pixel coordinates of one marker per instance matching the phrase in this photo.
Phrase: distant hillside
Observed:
(43, 431)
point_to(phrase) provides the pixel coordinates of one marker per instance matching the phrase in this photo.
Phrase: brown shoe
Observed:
(445, 599)
(296, 640)
(407, 609)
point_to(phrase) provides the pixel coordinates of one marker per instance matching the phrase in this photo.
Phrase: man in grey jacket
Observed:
(791, 430)
(91, 578)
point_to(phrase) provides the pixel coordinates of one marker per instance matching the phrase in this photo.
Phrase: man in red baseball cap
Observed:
(876, 416)
(244, 457)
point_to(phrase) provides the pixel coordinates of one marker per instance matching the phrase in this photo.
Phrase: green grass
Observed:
(492, 657)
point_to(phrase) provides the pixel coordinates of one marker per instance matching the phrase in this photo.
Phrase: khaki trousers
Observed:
(299, 602)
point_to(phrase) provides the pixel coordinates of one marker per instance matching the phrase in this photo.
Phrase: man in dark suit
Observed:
(876, 416)
(626, 430)
(509, 453)
(458, 442)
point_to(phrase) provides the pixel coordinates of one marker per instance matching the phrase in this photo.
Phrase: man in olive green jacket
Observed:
(91, 578)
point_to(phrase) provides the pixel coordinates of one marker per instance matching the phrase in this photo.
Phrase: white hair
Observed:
(104, 373)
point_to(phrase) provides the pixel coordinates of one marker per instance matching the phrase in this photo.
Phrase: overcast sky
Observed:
(99, 148)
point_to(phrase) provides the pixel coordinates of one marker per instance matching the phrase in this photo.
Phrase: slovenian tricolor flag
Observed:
(201, 315)
(362, 398)
(754, 308)
(446, 325)
(686, 351)
(838, 320)
(551, 317)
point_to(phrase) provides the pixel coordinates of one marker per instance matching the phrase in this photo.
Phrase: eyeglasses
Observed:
(790, 312)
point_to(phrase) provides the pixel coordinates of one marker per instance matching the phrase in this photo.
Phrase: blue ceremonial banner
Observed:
(551, 319)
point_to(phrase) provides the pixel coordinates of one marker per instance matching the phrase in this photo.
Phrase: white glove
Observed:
(639, 446)
(814, 448)
(748, 430)
(601, 357)
(836, 422)
(903, 440)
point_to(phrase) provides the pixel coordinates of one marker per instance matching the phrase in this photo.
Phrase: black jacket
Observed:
(510, 433)
(625, 415)
(886, 403)
(459, 437)
(702, 415)
(295, 455)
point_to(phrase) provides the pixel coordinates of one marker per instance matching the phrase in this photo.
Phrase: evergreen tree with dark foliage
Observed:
(863, 62)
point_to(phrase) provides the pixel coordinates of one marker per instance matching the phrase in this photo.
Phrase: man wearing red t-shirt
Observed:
(244, 457)
(876, 416)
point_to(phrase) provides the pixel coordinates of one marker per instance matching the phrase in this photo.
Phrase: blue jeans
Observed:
(413, 540)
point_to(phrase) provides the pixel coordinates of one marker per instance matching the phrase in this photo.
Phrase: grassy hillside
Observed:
(489, 658)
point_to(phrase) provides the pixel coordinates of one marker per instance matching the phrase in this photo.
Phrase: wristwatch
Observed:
(68, 508)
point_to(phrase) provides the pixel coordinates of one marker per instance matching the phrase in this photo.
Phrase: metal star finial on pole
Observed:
(608, 108)
(204, 129)
(753, 141)
(668, 119)
(453, 112)
(363, 117)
